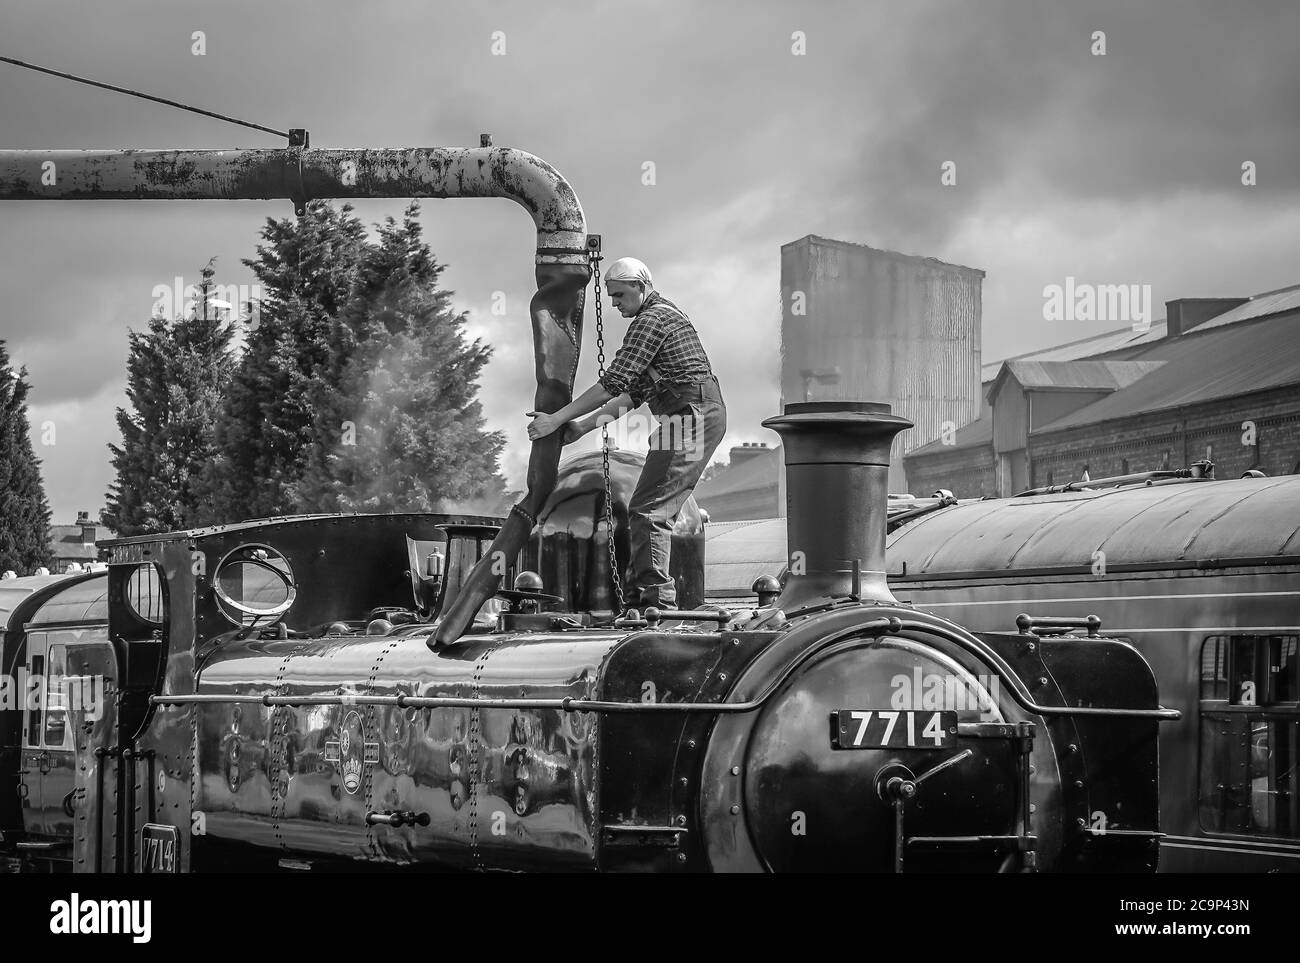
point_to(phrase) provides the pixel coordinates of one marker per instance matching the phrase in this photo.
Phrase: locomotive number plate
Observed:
(159, 847)
(893, 729)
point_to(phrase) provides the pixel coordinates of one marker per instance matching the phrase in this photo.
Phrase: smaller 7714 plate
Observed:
(893, 729)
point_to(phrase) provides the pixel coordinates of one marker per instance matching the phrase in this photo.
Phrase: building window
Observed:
(1250, 735)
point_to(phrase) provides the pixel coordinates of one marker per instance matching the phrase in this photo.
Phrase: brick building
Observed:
(75, 543)
(967, 467)
(1217, 379)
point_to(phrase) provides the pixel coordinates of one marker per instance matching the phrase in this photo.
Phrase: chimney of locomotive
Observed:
(837, 480)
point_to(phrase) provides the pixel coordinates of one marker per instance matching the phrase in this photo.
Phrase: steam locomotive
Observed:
(274, 695)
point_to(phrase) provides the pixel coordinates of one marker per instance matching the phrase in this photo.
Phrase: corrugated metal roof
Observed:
(977, 433)
(1203, 366)
(1123, 339)
(1084, 348)
(1045, 374)
(1080, 374)
(1261, 305)
(1143, 525)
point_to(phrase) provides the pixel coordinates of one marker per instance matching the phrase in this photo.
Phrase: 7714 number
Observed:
(892, 728)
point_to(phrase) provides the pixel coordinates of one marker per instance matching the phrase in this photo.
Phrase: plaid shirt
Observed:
(660, 334)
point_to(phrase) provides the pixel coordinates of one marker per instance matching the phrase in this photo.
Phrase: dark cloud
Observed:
(753, 147)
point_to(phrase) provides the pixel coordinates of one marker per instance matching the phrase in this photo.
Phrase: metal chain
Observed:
(594, 257)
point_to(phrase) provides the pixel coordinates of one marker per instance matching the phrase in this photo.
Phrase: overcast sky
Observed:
(1122, 168)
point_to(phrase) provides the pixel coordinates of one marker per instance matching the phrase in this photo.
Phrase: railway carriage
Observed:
(1203, 576)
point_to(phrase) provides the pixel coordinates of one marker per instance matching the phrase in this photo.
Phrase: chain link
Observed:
(594, 257)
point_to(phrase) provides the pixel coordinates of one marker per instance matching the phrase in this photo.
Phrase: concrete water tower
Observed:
(861, 324)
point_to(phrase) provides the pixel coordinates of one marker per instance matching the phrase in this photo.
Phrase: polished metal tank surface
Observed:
(501, 787)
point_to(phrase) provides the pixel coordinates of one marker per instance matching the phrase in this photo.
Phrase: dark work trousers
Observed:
(692, 421)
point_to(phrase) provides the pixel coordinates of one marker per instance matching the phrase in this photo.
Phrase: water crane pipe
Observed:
(300, 174)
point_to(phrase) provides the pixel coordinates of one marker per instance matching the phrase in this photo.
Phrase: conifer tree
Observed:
(24, 512)
(178, 371)
(305, 267)
(399, 426)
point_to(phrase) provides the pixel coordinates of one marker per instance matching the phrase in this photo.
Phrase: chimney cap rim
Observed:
(845, 414)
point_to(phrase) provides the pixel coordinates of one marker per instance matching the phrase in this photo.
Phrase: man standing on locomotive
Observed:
(661, 362)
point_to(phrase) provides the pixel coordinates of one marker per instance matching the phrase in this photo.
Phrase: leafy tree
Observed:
(177, 374)
(306, 268)
(398, 426)
(24, 513)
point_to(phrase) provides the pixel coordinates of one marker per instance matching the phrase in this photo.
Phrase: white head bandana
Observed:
(629, 269)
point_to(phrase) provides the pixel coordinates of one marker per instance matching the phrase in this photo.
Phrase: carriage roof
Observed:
(1182, 524)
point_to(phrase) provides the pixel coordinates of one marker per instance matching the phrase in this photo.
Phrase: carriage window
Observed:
(1250, 730)
(1214, 667)
(1250, 670)
(34, 716)
(56, 708)
(1248, 774)
(1287, 675)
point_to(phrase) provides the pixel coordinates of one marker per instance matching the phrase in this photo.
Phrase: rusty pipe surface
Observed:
(301, 174)
(306, 174)
(556, 310)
